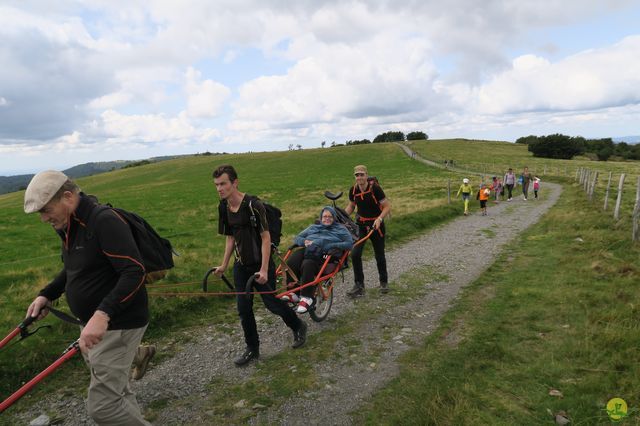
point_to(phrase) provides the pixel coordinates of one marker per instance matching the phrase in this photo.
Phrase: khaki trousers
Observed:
(110, 400)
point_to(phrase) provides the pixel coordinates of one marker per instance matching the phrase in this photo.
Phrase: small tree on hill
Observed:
(389, 137)
(417, 136)
(556, 146)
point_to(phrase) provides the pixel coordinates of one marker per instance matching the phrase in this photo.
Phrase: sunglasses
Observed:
(358, 174)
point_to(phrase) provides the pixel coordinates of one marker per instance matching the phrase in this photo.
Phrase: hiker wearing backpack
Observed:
(373, 206)
(103, 280)
(526, 180)
(483, 196)
(251, 244)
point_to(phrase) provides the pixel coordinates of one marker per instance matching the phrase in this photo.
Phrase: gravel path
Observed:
(455, 253)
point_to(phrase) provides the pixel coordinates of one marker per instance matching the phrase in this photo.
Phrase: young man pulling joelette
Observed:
(252, 257)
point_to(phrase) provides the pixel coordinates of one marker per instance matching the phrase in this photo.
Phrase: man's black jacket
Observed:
(102, 269)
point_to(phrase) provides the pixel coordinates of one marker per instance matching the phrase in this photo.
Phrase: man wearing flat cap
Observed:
(103, 279)
(372, 208)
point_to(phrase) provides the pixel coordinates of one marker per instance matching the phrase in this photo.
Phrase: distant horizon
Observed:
(635, 138)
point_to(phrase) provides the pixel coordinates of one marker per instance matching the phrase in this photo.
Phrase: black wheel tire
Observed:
(320, 309)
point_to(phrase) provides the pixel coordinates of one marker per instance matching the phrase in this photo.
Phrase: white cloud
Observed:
(152, 128)
(389, 75)
(3, 102)
(592, 79)
(205, 98)
(110, 101)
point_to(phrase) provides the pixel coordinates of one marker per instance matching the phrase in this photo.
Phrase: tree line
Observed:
(390, 137)
(566, 147)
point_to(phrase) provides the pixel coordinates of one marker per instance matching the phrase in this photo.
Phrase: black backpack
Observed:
(156, 252)
(274, 219)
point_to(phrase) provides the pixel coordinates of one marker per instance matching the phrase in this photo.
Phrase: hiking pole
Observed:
(21, 330)
(68, 353)
(206, 277)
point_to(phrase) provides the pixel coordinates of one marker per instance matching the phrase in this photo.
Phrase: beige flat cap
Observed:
(42, 188)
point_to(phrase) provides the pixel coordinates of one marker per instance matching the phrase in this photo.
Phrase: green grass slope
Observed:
(178, 198)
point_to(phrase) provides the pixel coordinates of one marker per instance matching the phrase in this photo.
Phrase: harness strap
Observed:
(361, 194)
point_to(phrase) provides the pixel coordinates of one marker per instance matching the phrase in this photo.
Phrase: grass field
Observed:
(178, 198)
(557, 314)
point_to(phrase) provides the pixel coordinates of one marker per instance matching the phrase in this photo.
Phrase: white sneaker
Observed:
(291, 297)
(303, 306)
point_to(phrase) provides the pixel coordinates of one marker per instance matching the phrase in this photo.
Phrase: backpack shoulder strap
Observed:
(93, 216)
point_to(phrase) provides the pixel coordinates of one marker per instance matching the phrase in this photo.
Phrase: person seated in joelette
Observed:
(317, 240)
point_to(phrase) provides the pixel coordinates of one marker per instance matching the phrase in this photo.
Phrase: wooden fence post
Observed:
(636, 212)
(616, 212)
(586, 181)
(606, 193)
(448, 191)
(593, 185)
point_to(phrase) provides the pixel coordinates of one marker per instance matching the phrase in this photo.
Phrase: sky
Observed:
(102, 80)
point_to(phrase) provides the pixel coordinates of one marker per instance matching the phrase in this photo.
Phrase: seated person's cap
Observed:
(42, 188)
(360, 169)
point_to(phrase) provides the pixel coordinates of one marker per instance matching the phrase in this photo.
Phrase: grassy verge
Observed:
(558, 312)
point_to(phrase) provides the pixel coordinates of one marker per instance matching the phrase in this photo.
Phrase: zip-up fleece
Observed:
(102, 269)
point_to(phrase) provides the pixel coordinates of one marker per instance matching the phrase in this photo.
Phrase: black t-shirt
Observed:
(367, 201)
(247, 242)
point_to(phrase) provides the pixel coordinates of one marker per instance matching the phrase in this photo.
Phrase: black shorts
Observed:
(483, 204)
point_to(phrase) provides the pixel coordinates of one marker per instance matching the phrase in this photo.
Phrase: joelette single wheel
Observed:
(324, 299)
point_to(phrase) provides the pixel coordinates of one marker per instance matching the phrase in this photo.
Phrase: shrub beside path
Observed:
(365, 356)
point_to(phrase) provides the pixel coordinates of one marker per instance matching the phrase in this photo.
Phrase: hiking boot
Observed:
(247, 356)
(304, 305)
(141, 360)
(384, 287)
(300, 335)
(357, 290)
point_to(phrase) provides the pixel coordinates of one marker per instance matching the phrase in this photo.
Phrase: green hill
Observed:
(178, 198)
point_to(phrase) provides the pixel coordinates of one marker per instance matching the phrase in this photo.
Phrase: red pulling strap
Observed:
(68, 353)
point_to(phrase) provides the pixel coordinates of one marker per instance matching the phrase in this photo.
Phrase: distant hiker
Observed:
(526, 180)
(373, 206)
(465, 190)
(496, 187)
(252, 248)
(103, 279)
(317, 240)
(483, 195)
(509, 182)
(536, 186)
